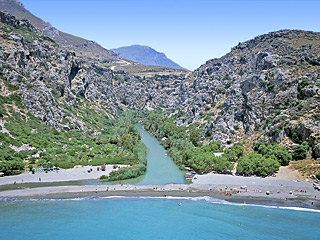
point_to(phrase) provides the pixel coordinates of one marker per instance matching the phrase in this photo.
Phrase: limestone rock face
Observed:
(260, 90)
(49, 76)
(265, 89)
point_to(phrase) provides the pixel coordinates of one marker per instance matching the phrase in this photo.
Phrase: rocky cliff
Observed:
(50, 79)
(264, 89)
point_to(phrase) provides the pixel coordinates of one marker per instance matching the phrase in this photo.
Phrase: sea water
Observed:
(152, 218)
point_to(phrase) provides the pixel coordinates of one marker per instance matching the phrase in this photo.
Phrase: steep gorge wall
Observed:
(264, 89)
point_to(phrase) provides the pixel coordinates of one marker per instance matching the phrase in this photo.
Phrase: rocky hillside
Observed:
(50, 79)
(146, 55)
(57, 109)
(264, 89)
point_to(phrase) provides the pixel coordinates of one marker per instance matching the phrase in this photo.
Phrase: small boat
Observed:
(189, 176)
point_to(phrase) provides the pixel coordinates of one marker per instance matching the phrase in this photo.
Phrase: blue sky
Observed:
(189, 32)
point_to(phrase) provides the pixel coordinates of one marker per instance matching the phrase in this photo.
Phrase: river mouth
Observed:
(161, 169)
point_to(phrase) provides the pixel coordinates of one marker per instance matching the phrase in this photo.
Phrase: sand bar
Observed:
(62, 175)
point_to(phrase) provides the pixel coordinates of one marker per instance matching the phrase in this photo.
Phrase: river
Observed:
(160, 168)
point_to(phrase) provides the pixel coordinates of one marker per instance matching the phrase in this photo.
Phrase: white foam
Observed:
(203, 198)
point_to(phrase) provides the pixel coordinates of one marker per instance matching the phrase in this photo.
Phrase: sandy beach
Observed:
(232, 188)
(62, 175)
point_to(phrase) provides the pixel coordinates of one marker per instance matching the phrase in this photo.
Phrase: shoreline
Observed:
(64, 184)
(170, 190)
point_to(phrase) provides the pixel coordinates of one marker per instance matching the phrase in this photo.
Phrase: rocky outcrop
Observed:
(265, 89)
(48, 76)
(262, 90)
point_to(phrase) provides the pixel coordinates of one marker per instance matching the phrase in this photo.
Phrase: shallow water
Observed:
(152, 218)
(160, 167)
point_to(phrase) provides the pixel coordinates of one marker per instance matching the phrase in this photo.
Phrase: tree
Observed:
(300, 151)
(256, 164)
(232, 154)
(195, 136)
(274, 151)
(127, 141)
(213, 147)
(222, 165)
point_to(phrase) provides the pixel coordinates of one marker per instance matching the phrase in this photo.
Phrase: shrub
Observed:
(221, 91)
(127, 173)
(277, 112)
(302, 84)
(316, 116)
(296, 138)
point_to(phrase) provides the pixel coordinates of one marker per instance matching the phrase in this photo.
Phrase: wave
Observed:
(207, 199)
(281, 207)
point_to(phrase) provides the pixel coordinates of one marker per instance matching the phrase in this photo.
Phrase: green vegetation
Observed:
(28, 34)
(203, 160)
(316, 116)
(194, 136)
(300, 151)
(256, 164)
(265, 161)
(221, 90)
(274, 151)
(135, 170)
(116, 142)
(302, 84)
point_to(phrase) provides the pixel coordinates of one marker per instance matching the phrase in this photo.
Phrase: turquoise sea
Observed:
(152, 218)
(140, 218)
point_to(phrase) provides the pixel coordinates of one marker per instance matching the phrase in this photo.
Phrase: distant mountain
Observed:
(83, 47)
(146, 55)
